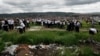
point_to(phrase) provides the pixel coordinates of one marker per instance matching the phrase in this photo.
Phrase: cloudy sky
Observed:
(78, 6)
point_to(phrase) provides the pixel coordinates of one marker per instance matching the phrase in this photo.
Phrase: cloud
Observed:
(29, 5)
(80, 2)
(86, 8)
(83, 6)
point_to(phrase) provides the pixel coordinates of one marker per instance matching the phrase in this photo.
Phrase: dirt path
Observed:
(35, 28)
(38, 28)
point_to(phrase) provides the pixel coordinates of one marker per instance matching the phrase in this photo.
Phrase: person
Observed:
(77, 26)
(28, 23)
(21, 27)
(93, 23)
(45, 23)
(11, 24)
(56, 23)
(61, 26)
(5, 26)
(72, 25)
(93, 31)
(25, 22)
(53, 23)
(99, 22)
(38, 21)
(42, 23)
(48, 23)
(68, 26)
(0, 25)
(2, 22)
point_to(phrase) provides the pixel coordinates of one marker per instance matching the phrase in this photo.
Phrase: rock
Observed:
(11, 49)
(33, 50)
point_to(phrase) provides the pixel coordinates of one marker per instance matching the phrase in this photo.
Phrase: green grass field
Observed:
(47, 37)
(36, 37)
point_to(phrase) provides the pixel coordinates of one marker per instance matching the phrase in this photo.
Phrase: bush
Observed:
(2, 45)
(87, 51)
(46, 37)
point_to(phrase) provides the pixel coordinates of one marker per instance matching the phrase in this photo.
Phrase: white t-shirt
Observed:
(10, 21)
(78, 24)
(3, 22)
(27, 21)
(49, 21)
(46, 21)
(57, 21)
(38, 20)
(93, 29)
(22, 24)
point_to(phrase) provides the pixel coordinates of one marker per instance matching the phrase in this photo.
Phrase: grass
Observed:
(1, 45)
(60, 37)
(81, 51)
(37, 37)
(46, 37)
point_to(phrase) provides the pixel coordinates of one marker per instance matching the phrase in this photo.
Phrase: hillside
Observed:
(42, 14)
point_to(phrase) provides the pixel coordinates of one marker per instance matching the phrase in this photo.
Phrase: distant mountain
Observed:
(41, 14)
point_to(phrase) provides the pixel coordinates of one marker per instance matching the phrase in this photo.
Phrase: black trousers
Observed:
(20, 30)
(5, 28)
(77, 28)
(27, 25)
(68, 27)
(0, 27)
(23, 29)
(72, 28)
(11, 26)
(91, 32)
(99, 23)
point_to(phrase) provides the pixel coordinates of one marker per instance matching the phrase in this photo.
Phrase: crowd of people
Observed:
(73, 25)
(22, 24)
(70, 25)
(11, 24)
(50, 23)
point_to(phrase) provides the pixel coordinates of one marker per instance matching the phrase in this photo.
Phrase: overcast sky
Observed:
(78, 6)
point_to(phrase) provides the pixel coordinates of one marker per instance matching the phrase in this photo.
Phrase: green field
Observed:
(63, 38)
(47, 37)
